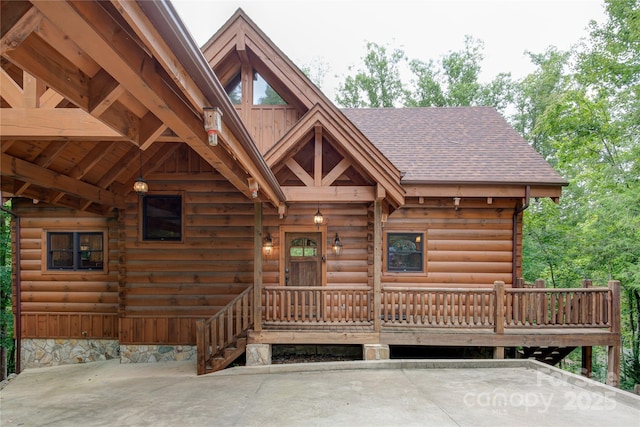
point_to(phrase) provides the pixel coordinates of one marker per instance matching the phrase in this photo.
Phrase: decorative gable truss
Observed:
(320, 160)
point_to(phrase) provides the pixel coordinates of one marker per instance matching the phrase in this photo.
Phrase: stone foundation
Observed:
(156, 353)
(38, 353)
(258, 354)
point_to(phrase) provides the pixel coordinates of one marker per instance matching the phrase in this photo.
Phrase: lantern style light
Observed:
(337, 246)
(318, 219)
(268, 245)
(140, 186)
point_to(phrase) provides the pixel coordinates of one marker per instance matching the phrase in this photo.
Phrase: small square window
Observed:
(405, 252)
(75, 251)
(162, 218)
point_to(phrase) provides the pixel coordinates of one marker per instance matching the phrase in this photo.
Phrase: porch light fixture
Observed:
(318, 219)
(212, 124)
(337, 246)
(268, 245)
(140, 186)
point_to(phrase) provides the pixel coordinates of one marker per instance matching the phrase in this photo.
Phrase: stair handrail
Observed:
(211, 340)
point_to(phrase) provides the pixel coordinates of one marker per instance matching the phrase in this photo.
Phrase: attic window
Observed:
(263, 94)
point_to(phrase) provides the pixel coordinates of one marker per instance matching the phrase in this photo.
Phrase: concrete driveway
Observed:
(381, 393)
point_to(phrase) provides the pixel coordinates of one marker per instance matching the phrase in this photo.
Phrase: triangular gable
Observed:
(240, 42)
(357, 154)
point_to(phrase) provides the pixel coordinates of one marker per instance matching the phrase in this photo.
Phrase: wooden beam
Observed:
(50, 99)
(335, 173)
(32, 90)
(104, 90)
(317, 156)
(480, 190)
(16, 28)
(10, 91)
(300, 172)
(55, 123)
(28, 172)
(329, 194)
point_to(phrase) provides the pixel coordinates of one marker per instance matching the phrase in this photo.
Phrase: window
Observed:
(75, 251)
(302, 247)
(162, 218)
(263, 93)
(405, 252)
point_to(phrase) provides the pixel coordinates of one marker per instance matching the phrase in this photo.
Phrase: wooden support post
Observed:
(257, 267)
(587, 361)
(498, 352)
(498, 324)
(613, 353)
(377, 264)
(202, 347)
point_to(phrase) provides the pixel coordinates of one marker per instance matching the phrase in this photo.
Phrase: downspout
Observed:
(519, 209)
(17, 327)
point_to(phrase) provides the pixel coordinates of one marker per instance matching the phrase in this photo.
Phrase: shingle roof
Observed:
(453, 145)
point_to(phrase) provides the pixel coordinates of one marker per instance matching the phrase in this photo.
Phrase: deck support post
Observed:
(258, 354)
(613, 351)
(498, 352)
(587, 361)
(376, 352)
(257, 267)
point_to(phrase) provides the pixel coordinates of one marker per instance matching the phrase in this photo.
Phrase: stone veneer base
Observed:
(40, 352)
(156, 353)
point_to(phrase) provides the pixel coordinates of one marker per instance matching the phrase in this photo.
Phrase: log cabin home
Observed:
(262, 214)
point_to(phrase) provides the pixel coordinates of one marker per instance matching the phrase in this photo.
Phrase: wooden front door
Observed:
(303, 259)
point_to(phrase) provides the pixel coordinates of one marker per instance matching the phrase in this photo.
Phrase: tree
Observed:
(378, 84)
(455, 81)
(588, 123)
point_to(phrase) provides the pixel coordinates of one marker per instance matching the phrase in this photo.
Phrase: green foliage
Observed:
(6, 315)
(378, 84)
(452, 81)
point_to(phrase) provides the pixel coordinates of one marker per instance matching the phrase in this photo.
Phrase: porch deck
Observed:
(489, 317)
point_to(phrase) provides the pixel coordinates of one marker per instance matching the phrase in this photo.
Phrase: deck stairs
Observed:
(227, 355)
(222, 338)
(549, 355)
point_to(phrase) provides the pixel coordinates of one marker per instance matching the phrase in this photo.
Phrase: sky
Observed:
(335, 32)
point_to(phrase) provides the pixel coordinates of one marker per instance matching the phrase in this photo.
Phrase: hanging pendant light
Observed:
(140, 186)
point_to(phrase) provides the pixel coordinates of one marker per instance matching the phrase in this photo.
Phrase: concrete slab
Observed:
(383, 393)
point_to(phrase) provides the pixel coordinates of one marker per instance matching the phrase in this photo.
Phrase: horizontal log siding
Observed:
(169, 285)
(349, 221)
(81, 304)
(469, 247)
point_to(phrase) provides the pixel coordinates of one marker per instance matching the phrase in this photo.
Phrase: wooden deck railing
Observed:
(438, 307)
(221, 330)
(316, 305)
(573, 308)
(495, 308)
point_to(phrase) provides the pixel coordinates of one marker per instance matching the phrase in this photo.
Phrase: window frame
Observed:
(143, 219)
(48, 261)
(423, 251)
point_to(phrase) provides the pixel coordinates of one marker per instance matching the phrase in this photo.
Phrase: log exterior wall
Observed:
(65, 304)
(166, 286)
(468, 247)
(351, 223)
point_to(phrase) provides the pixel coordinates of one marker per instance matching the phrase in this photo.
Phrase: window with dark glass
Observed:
(405, 252)
(162, 218)
(75, 251)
